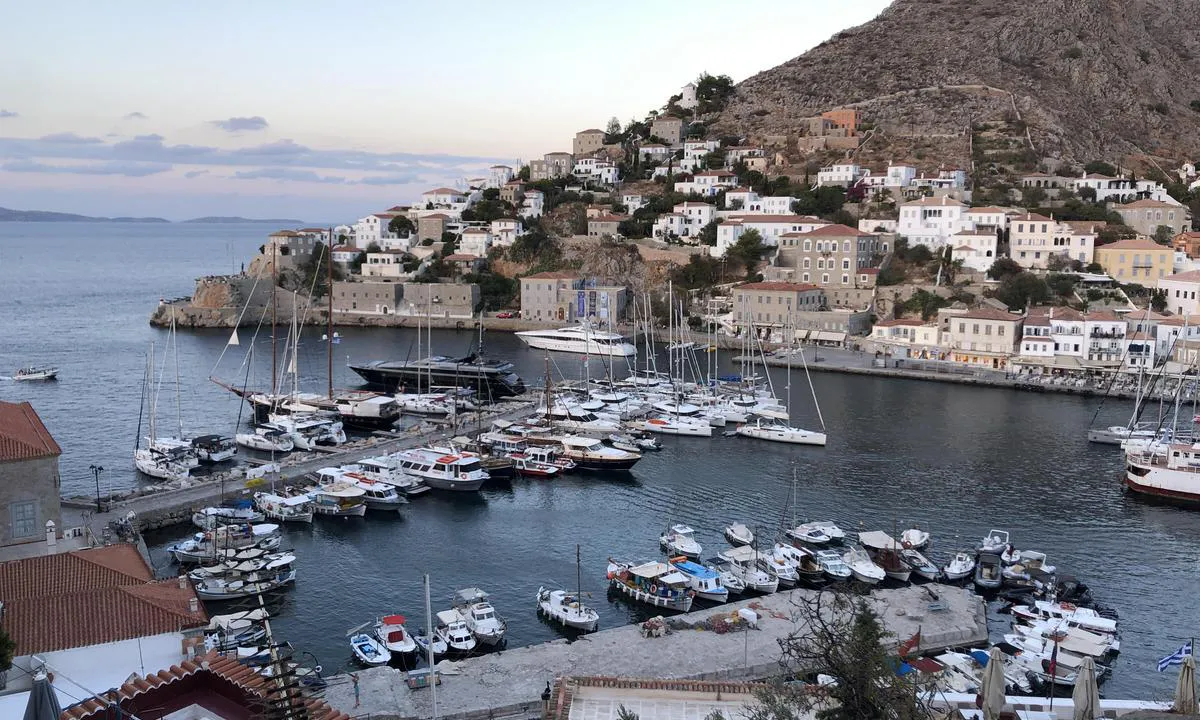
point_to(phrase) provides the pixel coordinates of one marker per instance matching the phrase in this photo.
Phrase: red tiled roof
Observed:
(443, 191)
(777, 286)
(1102, 316)
(714, 173)
(590, 131)
(460, 257)
(157, 689)
(1133, 244)
(65, 573)
(987, 313)
(344, 249)
(552, 275)
(436, 216)
(1189, 276)
(836, 230)
(22, 434)
(1147, 204)
(788, 219)
(316, 230)
(1029, 217)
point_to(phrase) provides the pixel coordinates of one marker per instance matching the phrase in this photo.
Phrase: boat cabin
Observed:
(657, 578)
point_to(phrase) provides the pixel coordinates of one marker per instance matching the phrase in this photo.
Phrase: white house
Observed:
(1183, 292)
(687, 219)
(976, 248)
(992, 217)
(372, 229)
(654, 151)
(738, 153)
(344, 254)
(499, 175)
(597, 170)
(931, 221)
(1033, 239)
(632, 201)
(475, 241)
(844, 174)
(444, 198)
(533, 204)
(694, 152)
(688, 99)
(386, 264)
(707, 183)
(770, 227)
(505, 231)
(885, 225)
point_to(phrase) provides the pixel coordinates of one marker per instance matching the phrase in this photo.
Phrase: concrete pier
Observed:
(510, 683)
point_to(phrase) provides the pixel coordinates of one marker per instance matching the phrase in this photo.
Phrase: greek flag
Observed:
(1175, 658)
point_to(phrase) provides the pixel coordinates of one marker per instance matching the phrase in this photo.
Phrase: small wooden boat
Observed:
(914, 538)
(368, 650)
(652, 583)
(680, 540)
(395, 637)
(960, 567)
(566, 609)
(737, 534)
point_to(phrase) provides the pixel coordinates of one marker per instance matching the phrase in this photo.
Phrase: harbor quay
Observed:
(511, 682)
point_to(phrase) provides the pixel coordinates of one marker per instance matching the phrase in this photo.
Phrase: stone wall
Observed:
(33, 481)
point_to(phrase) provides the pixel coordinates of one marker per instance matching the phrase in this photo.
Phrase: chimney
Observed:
(193, 605)
(183, 582)
(51, 536)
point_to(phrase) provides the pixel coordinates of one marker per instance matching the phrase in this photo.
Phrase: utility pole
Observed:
(96, 470)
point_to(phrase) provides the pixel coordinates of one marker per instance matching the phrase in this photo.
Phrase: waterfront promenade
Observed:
(510, 683)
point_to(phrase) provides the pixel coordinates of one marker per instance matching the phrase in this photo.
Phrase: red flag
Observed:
(909, 645)
(1052, 670)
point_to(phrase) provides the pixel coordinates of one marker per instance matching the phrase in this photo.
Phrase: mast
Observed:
(174, 339)
(329, 322)
(578, 574)
(429, 659)
(549, 395)
(274, 283)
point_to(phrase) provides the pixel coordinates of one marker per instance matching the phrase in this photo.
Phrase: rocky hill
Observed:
(1090, 79)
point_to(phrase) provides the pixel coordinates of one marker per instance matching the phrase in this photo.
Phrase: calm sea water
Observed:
(956, 460)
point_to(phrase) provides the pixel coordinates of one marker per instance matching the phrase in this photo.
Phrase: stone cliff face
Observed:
(1091, 78)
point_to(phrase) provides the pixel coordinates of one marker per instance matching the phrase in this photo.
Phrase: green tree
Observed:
(1032, 197)
(315, 270)
(708, 234)
(712, 92)
(1100, 167)
(357, 263)
(748, 251)
(1022, 290)
(7, 648)
(401, 226)
(523, 173)
(1163, 234)
(924, 303)
(700, 273)
(1158, 300)
(1094, 267)
(1003, 268)
(1087, 194)
(495, 291)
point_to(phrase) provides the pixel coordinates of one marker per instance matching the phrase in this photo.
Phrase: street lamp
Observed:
(96, 470)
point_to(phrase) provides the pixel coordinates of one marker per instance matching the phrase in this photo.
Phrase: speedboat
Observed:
(832, 564)
(454, 632)
(387, 470)
(567, 609)
(1071, 615)
(526, 466)
(368, 650)
(742, 563)
(960, 567)
(211, 517)
(654, 583)
(1072, 639)
(920, 564)
(680, 540)
(266, 438)
(863, 567)
(677, 425)
(309, 431)
(988, 573)
(590, 454)
(391, 632)
(803, 562)
(377, 495)
(835, 533)
(705, 581)
(779, 431)
(808, 533)
(914, 538)
(1029, 565)
(581, 339)
(43, 372)
(480, 616)
(737, 534)
(996, 541)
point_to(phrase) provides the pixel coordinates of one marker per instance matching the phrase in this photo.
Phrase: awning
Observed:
(801, 334)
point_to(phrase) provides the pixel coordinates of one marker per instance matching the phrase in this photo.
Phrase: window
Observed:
(807, 263)
(24, 519)
(824, 278)
(845, 279)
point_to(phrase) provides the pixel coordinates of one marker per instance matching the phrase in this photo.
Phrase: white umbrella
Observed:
(1185, 691)
(993, 686)
(1087, 694)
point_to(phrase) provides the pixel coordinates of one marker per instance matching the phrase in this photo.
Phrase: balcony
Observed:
(1110, 335)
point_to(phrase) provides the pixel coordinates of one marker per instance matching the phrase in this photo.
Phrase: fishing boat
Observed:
(803, 562)
(211, 517)
(989, 571)
(440, 648)
(455, 471)
(653, 583)
(581, 339)
(737, 534)
(827, 527)
(920, 565)
(338, 499)
(453, 631)
(1030, 567)
(680, 540)
(960, 567)
(996, 541)
(1067, 613)
(704, 580)
(591, 454)
(284, 508)
(206, 545)
(885, 551)
(368, 650)
(241, 629)
(809, 534)
(266, 438)
(566, 609)
(35, 373)
(744, 563)
(832, 564)
(475, 609)
(863, 567)
(387, 470)
(217, 589)
(231, 568)
(376, 495)
(527, 466)
(1172, 475)
(390, 631)
(914, 538)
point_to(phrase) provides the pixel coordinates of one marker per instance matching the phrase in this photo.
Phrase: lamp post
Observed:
(96, 470)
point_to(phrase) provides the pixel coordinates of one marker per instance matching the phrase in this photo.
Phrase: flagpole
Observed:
(1053, 670)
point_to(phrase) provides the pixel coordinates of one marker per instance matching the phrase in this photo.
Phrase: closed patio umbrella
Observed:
(1087, 693)
(1185, 691)
(993, 686)
(43, 702)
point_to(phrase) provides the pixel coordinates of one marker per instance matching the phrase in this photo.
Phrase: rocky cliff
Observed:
(1091, 79)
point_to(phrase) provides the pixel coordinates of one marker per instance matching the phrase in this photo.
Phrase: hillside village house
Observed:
(475, 241)
(505, 231)
(742, 153)
(367, 297)
(443, 198)
(384, 264)
(694, 152)
(289, 249)
(931, 221)
(707, 183)
(745, 200)
(431, 227)
(1182, 292)
(344, 254)
(686, 220)
(669, 128)
(843, 174)
(533, 204)
(655, 152)
(984, 337)
(770, 227)
(596, 170)
(552, 165)
(565, 297)
(632, 201)
(29, 479)
(1118, 189)
(828, 254)
(499, 176)
(605, 225)
(918, 338)
(1188, 243)
(513, 192)
(1033, 239)
(1136, 260)
(587, 142)
(773, 304)
(1146, 216)
(977, 249)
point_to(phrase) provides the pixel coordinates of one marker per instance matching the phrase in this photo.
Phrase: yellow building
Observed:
(1138, 260)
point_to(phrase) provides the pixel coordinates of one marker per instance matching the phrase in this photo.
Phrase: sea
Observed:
(955, 460)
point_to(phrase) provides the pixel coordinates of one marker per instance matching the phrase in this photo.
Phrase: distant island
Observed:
(231, 220)
(9, 215)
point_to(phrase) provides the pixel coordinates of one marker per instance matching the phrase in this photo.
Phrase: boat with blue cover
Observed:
(706, 581)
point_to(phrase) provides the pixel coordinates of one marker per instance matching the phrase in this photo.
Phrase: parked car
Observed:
(506, 314)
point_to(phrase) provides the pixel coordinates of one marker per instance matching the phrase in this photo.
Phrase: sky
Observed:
(329, 111)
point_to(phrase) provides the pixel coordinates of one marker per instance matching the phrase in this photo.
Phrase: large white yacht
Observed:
(580, 339)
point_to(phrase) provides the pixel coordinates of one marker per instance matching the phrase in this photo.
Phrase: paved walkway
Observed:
(505, 682)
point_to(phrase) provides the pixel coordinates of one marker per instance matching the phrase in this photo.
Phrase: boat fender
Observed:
(653, 589)
(1067, 606)
(462, 476)
(691, 593)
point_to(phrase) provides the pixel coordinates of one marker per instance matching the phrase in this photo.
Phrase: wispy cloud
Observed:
(7, 114)
(388, 180)
(288, 174)
(108, 168)
(70, 138)
(240, 124)
(194, 174)
(136, 116)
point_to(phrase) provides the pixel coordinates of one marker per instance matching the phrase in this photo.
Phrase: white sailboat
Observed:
(159, 459)
(567, 608)
(777, 430)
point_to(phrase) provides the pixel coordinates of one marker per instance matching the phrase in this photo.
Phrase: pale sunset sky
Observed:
(325, 112)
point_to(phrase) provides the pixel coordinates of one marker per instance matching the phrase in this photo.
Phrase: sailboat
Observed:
(161, 458)
(566, 608)
(777, 430)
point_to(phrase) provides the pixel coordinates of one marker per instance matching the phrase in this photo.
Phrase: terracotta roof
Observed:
(608, 218)
(778, 286)
(987, 313)
(284, 233)
(552, 275)
(868, 271)
(1147, 204)
(966, 248)
(788, 219)
(22, 434)
(1189, 276)
(316, 230)
(460, 257)
(443, 191)
(437, 216)
(344, 249)
(1180, 320)
(590, 131)
(156, 690)
(1102, 316)
(1133, 244)
(1084, 226)
(990, 209)
(90, 597)
(836, 230)
(714, 173)
(941, 201)
(1029, 217)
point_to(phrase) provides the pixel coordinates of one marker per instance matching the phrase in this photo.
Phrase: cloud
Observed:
(194, 174)
(388, 180)
(289, 175)
(70, 138)
(136, 116)
(239, 124)
(109, 168)
(7, 114)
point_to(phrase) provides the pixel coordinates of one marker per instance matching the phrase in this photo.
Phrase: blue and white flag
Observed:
(1175, 658)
